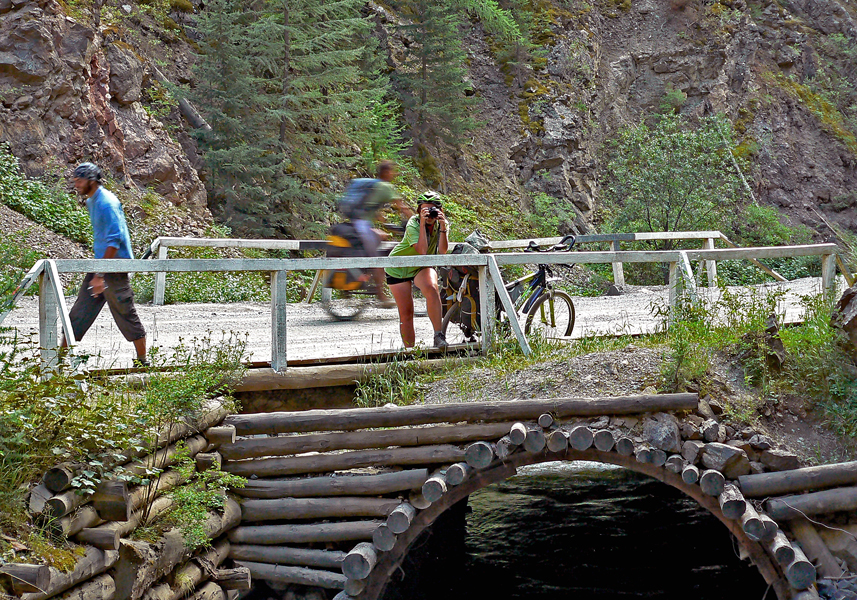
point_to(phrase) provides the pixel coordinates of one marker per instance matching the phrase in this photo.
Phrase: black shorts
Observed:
(118, 297)
(394, 280)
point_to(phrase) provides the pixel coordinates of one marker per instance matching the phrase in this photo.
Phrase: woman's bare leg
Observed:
(405, 303)
(426, 281)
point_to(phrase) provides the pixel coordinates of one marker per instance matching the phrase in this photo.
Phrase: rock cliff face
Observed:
(71, 93)
(74, 87)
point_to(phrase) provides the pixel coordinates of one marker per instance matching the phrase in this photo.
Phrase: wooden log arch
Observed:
(389, 562)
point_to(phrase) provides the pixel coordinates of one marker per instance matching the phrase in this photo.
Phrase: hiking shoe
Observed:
(440, 340)
(140, 363)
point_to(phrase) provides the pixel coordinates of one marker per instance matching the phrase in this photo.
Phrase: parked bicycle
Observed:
(541, 307)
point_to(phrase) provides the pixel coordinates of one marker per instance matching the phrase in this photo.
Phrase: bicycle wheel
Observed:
(452, 329)
(341, 306)
(552, 315)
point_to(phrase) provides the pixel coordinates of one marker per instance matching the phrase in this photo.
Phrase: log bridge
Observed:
(334, 499)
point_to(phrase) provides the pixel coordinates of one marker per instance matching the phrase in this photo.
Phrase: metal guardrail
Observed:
(52, 302)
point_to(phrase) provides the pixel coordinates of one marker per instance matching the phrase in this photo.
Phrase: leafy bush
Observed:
(46, 204)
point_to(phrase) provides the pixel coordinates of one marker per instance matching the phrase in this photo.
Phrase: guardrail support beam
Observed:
(710, 265)
(618, 270)
(48, 338)
(828, 273)
(487, 308)
(160, 278)
(497, 284)
(278, 320)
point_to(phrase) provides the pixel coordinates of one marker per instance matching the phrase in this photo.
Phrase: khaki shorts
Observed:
(118, 296)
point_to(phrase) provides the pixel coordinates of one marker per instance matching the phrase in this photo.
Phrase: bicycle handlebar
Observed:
(564, 245)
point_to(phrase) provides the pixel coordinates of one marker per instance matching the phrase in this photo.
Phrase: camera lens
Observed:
(433, 212)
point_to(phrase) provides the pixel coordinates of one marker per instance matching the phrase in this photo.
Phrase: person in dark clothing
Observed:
(110, 240)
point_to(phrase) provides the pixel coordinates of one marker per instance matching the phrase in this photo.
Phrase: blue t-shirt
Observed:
(109, 228)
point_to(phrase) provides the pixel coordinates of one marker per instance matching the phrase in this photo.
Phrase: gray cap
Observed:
(87, 170)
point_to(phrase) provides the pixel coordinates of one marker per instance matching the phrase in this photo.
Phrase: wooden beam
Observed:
(48, 340)
(284, 555)
(360, 440)
(508, 305)
(350, 419)
(279, 509)
(278, 320)
(828, 273)
(813, 503)
(766, 269)
(304, 534)
(340, 485)
(763, 485)
(299, 575)
(26, 282)
(62, 309)
(618, 269)
(93, 563)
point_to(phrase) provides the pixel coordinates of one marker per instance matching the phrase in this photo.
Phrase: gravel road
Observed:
(313, 334)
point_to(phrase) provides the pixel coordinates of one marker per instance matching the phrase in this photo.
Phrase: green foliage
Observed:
(550, 215)
(836, 77)
(397, 382)
(15, 260)
(205, 492)
(673, 100)
(670, 177)
(42, 201)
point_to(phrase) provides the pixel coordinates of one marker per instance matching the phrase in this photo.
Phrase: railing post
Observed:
(160, 278)
(486, 308)
(674, 288)
(710, 265)
(828, 273)
(618, 270)
(278, 320)
(48, 341)
(508, 305)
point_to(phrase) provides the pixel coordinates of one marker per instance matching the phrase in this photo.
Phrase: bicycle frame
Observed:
(539, 282)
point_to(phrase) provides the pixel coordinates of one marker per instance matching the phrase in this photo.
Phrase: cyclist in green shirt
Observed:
(425, 233)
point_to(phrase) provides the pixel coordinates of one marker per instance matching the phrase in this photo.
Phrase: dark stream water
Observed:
(577, 530)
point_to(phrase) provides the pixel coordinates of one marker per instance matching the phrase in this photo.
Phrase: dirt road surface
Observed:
(311, 333)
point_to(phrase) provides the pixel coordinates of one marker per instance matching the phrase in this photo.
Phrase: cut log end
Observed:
(479, 455)
(233, 579)
(360, 561)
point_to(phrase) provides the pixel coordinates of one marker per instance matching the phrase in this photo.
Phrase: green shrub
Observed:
(45, 204)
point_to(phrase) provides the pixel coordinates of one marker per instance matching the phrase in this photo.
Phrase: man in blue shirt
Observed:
(110, 240)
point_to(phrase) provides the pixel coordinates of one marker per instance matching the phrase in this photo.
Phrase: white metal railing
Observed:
(52, 302)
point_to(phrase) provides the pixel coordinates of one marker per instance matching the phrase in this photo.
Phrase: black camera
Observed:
(433, 212)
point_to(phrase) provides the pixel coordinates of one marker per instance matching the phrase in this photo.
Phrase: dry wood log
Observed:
(232, 579)
(643, 454)
(815, 548)
(383, 538)
(304, 534)
(354, 587)
(534, 441)
(690, 474)
(69, 525)
(360, 561)
(435, 487)
(101, 587)
(557, 441)
(518, 433)
(111, 500)
(299, 575)
(457, 473)
(625, 446)
(166, 457)
(38, 496)
(316, 508)
(800, 572)
(813, 503)
(360, 440)
(400, 519)
(712, 482)
(504, 447)
(771, 527)
(364, 418)
(93, 563)
(604, 440)
(62, 504)
(752, 524)
(223, 434)
(479, 455)
(808, 594)
(321, 463)
(545, 420)
(209, 591)
(207, 460)
(343, 595)
(782, 549)
(189, 575)
(658, 457)
(798, 480)
(418, 501)
(100, 537)
(732, 503)
(90, 535)
(580, 437)
(27, 578)
(58, 478)
(675, 463)
(283, 555)
(338, 485)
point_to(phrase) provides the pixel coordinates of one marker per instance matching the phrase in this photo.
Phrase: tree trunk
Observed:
(518, 433)
(798, 480)
(321, 463)
(208, 460)
(224, 434)
(625, 446)
(557, 441)
(233, 579)
(316, 508)
(101, 587)
(457, 473)
(604, 440)
(363, 418)
(111, 500)
(299, 575)
(39, 495)
(187, 577)
(340, 485)
(545, 420)
(58, 478)
(503, 448)
(815, 548)
(534, 441)
(782, 549)
(93, 563)
(434, 488)
(283, 555)
(304, 534)
(383, 538)
(712, 482)
(360, 561)
(752, 524)
(813, 503)
(27, 578)
(675, 463)
(732, 503)
(479, 455)
(690, 474)
(360, 440)
(580, 437)
(800, 572)
(401, 517)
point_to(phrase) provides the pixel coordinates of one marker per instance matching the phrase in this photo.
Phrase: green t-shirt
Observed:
(406, 248)
(383, 193)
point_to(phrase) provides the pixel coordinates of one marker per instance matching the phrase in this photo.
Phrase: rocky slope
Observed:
(82, 82)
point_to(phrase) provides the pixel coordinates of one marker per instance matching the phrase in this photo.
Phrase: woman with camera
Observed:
(425, 233)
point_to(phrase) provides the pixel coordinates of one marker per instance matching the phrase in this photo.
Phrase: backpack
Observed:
(461, 285)
(350, 203)
(343, 241)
